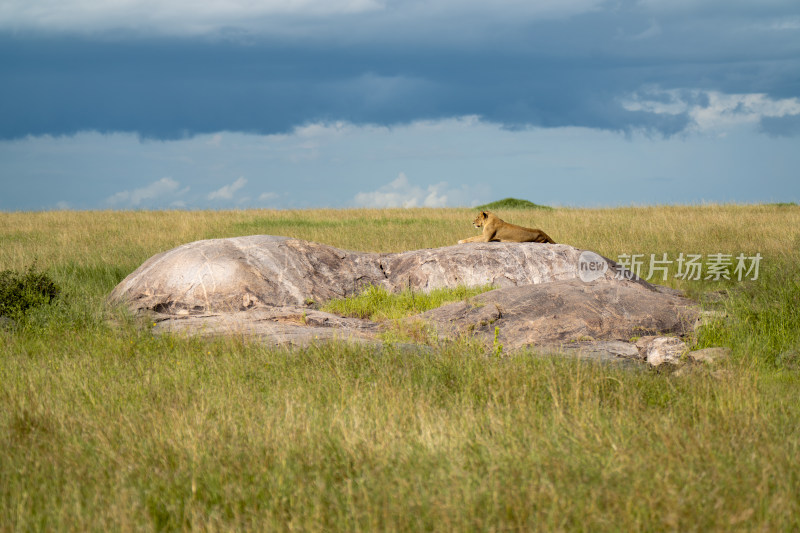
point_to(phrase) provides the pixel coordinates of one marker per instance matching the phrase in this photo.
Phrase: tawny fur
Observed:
(495, 229)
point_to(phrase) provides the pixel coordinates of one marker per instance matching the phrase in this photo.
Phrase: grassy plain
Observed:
(106, 427)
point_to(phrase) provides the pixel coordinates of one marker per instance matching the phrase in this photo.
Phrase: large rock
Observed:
(224, 275)
(284, 325)
(564, 312)
(665, 351)
(269, 287)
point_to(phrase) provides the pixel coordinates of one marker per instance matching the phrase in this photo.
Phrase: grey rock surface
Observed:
(614, 352)
(283, 325)
(268, 287)
(565, 312)
(709, 355)
(224, 275)
(665, 350)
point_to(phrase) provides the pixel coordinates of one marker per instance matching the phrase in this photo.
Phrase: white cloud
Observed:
(265, 197)
(712, 111)
(400, 193)
(227, 192)
(156, 193)
(169, 16)
(323, 129)
(215, 140)
(185, 17)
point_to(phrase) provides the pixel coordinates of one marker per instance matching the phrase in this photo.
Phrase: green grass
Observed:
(761, 319)
(376, 303)
(512, 203)
(104, 426)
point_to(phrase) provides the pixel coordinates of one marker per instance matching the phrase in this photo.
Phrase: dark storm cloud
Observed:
(574, 71)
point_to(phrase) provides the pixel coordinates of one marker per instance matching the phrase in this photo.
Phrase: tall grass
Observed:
(106, 427)
(126, 238)
(761, 320)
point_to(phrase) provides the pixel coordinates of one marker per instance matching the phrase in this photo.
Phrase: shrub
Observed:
(20, 292)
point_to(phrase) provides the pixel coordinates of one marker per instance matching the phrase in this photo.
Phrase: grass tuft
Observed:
(376, 303)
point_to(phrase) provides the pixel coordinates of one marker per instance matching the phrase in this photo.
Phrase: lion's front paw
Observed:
(462, 241)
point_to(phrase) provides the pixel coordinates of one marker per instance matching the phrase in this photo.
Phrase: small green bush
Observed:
(20, 292)
(512, 203)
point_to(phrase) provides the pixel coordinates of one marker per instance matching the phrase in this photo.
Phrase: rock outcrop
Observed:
(284, 325)
(563, 312)
(224, 275)
(270, 287)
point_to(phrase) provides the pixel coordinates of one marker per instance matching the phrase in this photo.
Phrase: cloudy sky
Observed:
(145, 104)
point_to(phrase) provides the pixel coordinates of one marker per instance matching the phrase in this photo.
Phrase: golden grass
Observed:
(69, 236)
(106, 427)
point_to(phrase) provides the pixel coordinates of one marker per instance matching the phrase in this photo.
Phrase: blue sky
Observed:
(133, 104)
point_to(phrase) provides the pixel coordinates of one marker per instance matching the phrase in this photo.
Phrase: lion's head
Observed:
(480, 220)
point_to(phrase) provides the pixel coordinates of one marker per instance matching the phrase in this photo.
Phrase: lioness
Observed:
(495, 229)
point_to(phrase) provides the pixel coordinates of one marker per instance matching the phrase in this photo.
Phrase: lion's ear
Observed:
(484, 214)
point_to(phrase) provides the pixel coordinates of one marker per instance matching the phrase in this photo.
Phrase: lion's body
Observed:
(495, 229)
